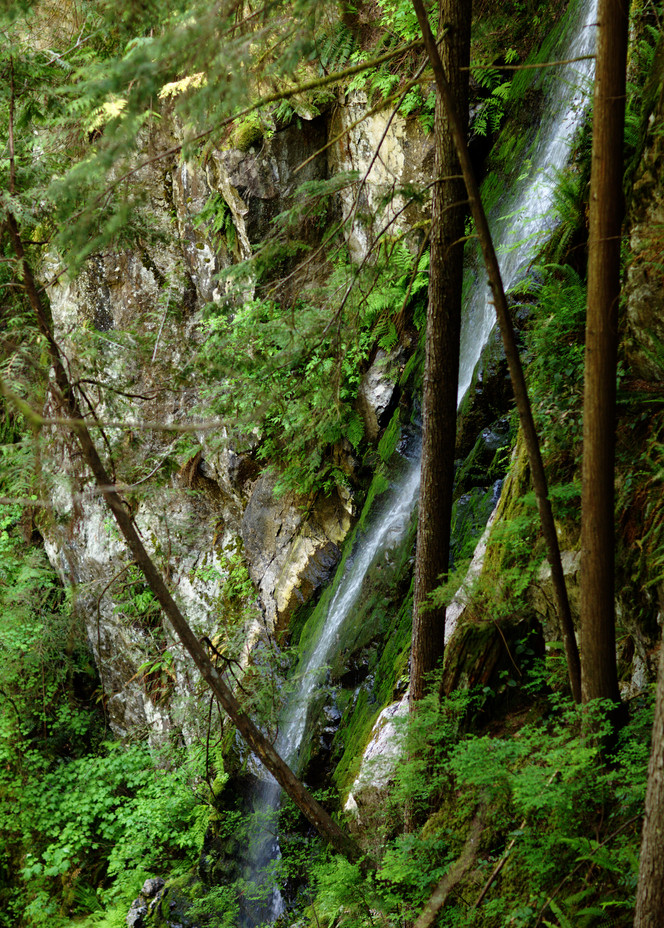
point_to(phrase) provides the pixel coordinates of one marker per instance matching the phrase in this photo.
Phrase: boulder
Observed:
(378, 394)
(366, 798)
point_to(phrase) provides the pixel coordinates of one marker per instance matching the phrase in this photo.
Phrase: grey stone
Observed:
(152, 886)
(265, 177)
(406, 157)
(379, 761)
(290, 557)
(377, 391)
(136, 914)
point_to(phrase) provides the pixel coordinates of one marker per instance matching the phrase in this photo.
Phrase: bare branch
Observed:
(527, 67)
(452, 877)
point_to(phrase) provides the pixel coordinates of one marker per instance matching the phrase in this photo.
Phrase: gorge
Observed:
(240, 300)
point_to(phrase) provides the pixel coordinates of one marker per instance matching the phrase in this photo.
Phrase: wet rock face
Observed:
(316, 773)
(199, 514)
(487, 398)
(291, 553)
(645, 275)
(482, 466)
(378, 394)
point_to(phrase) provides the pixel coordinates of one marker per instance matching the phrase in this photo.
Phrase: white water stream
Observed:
(385, 534)
(525, 219)
(525, 216)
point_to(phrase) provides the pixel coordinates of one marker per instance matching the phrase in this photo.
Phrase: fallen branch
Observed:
(452, 877)
(252, 735)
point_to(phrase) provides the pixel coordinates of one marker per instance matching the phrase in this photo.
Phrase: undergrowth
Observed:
(564, 820)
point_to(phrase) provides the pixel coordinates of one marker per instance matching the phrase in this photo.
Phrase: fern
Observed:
(384, 82)
(412, 101)
(569, 212)
(390, 338)
(486, 77)
(355, 430)
(335, 48)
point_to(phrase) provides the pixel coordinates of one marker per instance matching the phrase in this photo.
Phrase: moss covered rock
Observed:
(489, 654)
(645, 276)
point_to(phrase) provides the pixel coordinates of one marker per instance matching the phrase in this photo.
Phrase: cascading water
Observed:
(384, 534)
(525, 216)
(527, 219)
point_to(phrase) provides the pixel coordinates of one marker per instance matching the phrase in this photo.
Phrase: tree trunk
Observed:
(650, 891)
(441, 370)
(252, 735)
(512, 354)
(600, 679)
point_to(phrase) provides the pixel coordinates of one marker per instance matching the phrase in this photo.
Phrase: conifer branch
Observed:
(276, 97)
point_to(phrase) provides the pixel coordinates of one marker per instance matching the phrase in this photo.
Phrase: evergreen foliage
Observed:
(545, 793)
(96, 90)
(297, 388)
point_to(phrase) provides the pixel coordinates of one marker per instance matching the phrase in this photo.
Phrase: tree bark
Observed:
(650, 890)
(441, 368)
(252, 735)
(600, 678)
(512, 353)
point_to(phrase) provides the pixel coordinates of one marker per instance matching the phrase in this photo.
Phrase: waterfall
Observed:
(384, 533)
(525, 218)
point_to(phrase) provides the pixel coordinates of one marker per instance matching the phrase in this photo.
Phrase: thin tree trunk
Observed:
(650, 890)
(441, 369)
(252, 735)
(511, 352)
(600, 678)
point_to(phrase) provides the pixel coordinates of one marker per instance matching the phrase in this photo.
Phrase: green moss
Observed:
(511, 503)
(410, 381)
(388, 443)
(379, 485)
(247, 135)
(386, 621)
(174, 902)
(306, 623)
